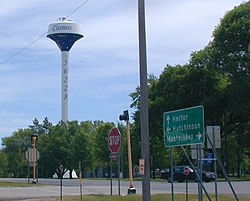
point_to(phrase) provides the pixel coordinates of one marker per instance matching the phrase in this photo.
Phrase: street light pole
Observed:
(144, 101)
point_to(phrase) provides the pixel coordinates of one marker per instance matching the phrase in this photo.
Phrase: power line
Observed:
(26, 47)
(34, 41)
(77, 8)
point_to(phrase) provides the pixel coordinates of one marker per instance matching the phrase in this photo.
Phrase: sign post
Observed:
(186, 173)
(184, 126)
(31, 158)
(80, 178)
(61, 173)
(213, 133)
(114, 143)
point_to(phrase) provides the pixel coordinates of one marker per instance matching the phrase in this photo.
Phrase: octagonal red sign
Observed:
(114, 140)
(186, 171)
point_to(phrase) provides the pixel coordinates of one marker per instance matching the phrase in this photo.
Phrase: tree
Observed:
(231, 57)
(231, 42)
(68, 145)
(3, 164)
(15, 147)
(59, 149)
(88, 130)
(101, 145)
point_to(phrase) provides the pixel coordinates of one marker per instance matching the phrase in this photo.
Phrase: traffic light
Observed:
(34, 137)
(124, 116)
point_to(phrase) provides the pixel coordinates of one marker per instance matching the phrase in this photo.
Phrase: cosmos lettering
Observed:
(61, 27)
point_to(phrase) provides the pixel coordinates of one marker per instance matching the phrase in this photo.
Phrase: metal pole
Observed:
(215, 171)
(37, 170)
(197, 175)
(111, 175)
(186, 190)
(144, 101)
(172, 172)
(197, 155)
(200, 173)
(80, 177)
(61, 187)
(61, 173)
(28, 172)
(37, 167)
(119, 170)
(222, 167)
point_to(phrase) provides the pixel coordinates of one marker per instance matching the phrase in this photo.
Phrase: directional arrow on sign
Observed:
(168, 129)
(199, 135)
(168, 119)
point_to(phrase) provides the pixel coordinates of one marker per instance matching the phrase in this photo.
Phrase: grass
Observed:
(16, 184)
(160, 197)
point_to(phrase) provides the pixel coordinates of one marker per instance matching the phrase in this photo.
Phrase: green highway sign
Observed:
(184, 126)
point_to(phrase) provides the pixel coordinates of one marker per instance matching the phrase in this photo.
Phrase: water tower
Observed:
(65, 33)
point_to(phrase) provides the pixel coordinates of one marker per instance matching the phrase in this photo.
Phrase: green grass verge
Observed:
(16, 184)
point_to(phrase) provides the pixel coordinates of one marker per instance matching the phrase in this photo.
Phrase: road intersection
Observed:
(51, 188)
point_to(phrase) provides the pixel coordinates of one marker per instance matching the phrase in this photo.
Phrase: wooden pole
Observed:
(34, 159)
(129, 156)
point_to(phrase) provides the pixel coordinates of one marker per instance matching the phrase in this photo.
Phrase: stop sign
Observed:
(186, 171)
(114, 140)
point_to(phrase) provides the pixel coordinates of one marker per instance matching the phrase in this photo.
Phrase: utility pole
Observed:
(144, 101)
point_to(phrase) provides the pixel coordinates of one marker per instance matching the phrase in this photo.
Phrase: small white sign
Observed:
(141, 166)
(213, 133)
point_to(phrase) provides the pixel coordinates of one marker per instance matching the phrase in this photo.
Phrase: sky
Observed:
(103, 65)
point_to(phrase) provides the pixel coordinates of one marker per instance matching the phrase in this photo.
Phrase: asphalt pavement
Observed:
(51, 188)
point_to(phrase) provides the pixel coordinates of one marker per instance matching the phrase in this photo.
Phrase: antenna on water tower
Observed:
(65, 33)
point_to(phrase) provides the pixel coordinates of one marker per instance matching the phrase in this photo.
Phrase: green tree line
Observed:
(216, 77)
(66, 144)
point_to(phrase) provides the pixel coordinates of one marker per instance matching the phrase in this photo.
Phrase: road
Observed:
(71, 187)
